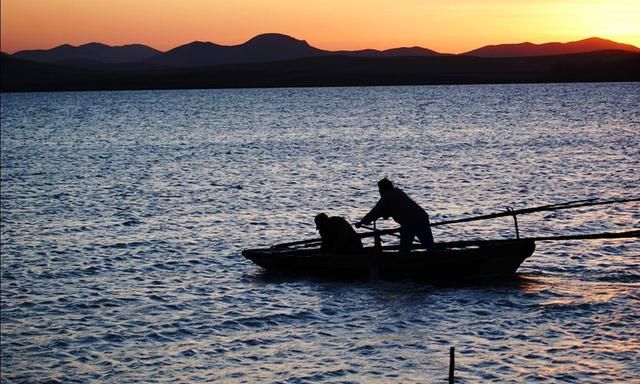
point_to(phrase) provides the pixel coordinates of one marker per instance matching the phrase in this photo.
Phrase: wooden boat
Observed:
(448, 261)
(453, 261)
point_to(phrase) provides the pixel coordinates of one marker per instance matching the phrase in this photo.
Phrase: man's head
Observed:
(384, 185)
(321, 219)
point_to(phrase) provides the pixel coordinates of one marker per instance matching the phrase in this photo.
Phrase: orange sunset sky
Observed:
(446, 26)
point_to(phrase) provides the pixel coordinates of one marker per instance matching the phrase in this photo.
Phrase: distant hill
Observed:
(21, 75)
(262, 48)
(92, 52)
(529, 49)
(265, 48)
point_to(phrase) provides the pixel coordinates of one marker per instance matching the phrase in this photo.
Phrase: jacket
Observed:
(396, 204)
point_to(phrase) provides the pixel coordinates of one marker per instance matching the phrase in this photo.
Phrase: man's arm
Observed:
(375, 213)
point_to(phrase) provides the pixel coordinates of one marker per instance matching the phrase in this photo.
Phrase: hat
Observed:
(320, 218)
(385, 184)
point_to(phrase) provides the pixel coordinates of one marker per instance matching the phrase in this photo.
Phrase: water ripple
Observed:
(124, 214)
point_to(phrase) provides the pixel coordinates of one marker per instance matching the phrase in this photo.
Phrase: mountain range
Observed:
(277, 47)
(274, 60)
(93, 52)
(529, 49)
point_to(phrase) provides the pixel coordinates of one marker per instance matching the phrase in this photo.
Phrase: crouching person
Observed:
(337, 235)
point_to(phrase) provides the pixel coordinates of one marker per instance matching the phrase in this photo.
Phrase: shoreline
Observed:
(338, 71)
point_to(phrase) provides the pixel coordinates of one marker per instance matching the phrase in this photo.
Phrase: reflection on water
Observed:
(124, 214)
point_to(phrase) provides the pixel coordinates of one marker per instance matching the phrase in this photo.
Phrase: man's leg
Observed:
(406, 239)
(426, 237)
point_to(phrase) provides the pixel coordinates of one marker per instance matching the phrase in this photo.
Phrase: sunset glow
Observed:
(454, 27)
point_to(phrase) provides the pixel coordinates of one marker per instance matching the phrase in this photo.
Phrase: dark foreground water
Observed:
(124, 215)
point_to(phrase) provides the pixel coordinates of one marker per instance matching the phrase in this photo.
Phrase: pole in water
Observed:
(452, 352)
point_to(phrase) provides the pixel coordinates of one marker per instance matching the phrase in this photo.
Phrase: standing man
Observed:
(413, 220)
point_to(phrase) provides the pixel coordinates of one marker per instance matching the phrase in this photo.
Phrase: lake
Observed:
(124, 215)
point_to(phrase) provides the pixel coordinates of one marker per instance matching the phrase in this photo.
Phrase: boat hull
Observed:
(448, 261)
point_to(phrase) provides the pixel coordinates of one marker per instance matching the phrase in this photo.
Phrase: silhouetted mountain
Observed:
(95, 52)
(275, 60)
(274, 46)
(277, 47)
(20, 75)
(264, 48)
(267, 47)
(530, 49)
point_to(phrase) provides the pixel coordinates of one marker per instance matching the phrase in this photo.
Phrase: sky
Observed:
(452, 26)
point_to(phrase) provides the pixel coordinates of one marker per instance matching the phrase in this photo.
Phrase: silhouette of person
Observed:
(413, 220)
(337, 235)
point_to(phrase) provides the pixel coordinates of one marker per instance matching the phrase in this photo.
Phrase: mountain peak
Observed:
(272, 36)
(198, 44)
(274, 39)
(94, 45)
(261, 48)
(61, 46)
(597, 39)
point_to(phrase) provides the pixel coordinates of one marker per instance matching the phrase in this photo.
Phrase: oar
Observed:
(316, 241)
(308, 242)
(634, 233)
(374, 230)
(551, 207)
(591, 236)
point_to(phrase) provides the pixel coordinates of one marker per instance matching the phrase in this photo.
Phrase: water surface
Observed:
(124, 215)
